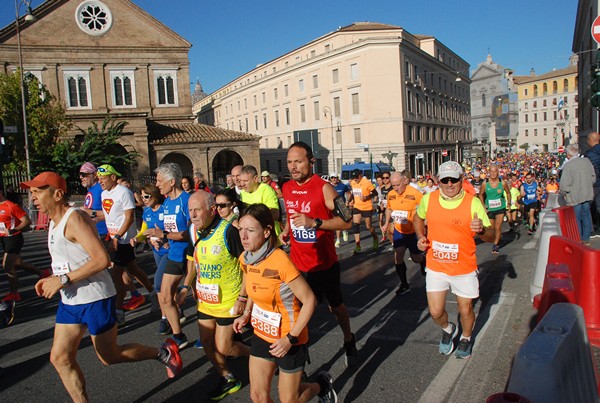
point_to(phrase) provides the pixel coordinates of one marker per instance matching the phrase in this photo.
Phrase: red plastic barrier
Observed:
(42, 221)
(568, 222)
(570, 261)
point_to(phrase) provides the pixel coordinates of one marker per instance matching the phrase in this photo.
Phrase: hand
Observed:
(384, 228)
(302, 220)
(48, 287)
(154, 232)
(284, 238)
(476, 224)
(240, 322)
(182, 292)
(133, 242)
(112, 245)
(238, 308)
(423, 243)
(281, 347)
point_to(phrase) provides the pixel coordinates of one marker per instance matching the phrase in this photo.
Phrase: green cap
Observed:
(105, 170)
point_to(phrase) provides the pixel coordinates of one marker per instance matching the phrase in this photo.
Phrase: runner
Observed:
(363, 193)
(314, 211)
(87, 294)
(402, 203)
(254, 191)
(530, 194)
(93, 199)
(265, 177)
(280, 303)
(493, 195)
(452, 221)
(343, 191)
(384, 189)
(227, 203)
(213, 252)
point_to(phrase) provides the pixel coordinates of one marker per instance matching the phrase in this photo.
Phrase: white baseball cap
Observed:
(450, 169)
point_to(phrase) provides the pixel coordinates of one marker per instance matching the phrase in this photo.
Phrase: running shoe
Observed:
(171, 358)
(198, 343)
(447, 341)
(7, 313)
(45, 273)
(403, 289)
(464, 349)
(182, 317)
(164, 327)
(120, 317)
(154, 304)
(134, 302)
(12, 296)
(226, 386)
(327, 393)
(351, 352)
(181, 341)
(357, 249)
(375, 243)
(345, 236)
(338, 243)
(383, 239)
(495, 249)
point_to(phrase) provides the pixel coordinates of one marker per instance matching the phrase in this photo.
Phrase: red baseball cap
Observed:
(46, 179)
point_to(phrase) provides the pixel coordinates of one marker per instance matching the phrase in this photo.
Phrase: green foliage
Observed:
(46, 121)
(99, 145)
(524, 146)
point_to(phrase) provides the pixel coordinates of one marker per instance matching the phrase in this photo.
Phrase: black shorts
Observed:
(326, 284)
(123, 255)
(13, 243)
(408, 241)
(493, 214)
(532, 206)
(294, 361)
(175, 268)
(363, 214)
(220, 321)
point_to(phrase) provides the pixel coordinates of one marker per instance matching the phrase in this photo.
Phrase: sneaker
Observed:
(529, 232)
(495, 249)
(12, 296)
(327, 394)
(383, 239)
(357, 249)
(226, 386)
(120, 317)
(447, 341)
(164, 327)
(171, 358)
(7, 313)
(351, 352)
(181, 341)
(154, 304)
(403, 289)
(198, 344)
(345, 236)
(45, 273)
(464, 349)
(375, 243)
(338, 243)
(134, 302)
(182, 317)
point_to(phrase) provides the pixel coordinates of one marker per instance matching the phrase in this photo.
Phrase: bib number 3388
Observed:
(266, 323)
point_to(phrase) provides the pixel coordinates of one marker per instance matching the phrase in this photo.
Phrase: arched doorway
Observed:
(184, 162)
(222, 164)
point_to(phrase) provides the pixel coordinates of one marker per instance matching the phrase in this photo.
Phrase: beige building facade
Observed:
(111, 58)
(548, 109)
(364, 91)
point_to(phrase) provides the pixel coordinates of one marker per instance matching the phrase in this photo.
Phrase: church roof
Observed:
(185, 133)
(546, 76)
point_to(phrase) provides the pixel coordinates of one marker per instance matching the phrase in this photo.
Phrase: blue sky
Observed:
(231, 37)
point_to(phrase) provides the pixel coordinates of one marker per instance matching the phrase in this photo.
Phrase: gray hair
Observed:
(573, 150)
(250, 169)
(170, 170)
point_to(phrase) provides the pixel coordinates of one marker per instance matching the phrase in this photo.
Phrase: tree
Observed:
(46, 121)
(524, 146)
(99, 145)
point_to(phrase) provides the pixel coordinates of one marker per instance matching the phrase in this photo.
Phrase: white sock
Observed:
(448, 329)
(462, 337)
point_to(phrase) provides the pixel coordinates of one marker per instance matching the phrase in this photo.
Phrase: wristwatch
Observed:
(64, 279)
(165, 233)
(292, 339)
(118, 237)
(318, 223)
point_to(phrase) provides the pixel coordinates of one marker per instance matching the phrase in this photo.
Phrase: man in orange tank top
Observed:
(453, 217)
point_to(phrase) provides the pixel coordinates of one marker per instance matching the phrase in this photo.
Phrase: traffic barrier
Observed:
(570, 261)
(540, 260)
(40, 221)
(555, 200)
(554, 364)
(568, 222)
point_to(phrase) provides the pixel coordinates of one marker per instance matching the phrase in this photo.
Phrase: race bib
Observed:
(266, 323)
(61, 268)
(445, 252)
(494, 203)
(400, 216)
(384, 203)
(531, 196)
(170, 223)
(356, 192)
(303, 235)
(112, 228)
(3, 228)
(208, 293)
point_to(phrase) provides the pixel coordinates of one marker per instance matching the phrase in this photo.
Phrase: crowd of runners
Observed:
(258, 256)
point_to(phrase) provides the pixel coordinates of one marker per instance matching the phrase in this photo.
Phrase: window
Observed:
(545, 132)
(335, 76)
(545, 89)
(554, 87)
(123, 88)
(313, 53)
(526, 105)
(483, 103)
(166, 87)
(354, 71)
(526, 118)
(264, 97)
(317, 110)
(327, 48)
(357, 138)
(565, 85)
(407, 69)
(526, 133)
(555, 114)
(418, 103)
(545, 116)
(301, 85)
(525, 91)
(427, 106)
(275, 93)
(77, 85)
(276, 118)
(315, 81)
(254, 100)
(265, 120)
(255, 122)
(408, 101)
(535, 117)
(535, 104)
(535, 132)
(285, 90)
(336, 107)
(302, 113)
(355, 105)
(535, 90)
(544, 103)
(287, 116)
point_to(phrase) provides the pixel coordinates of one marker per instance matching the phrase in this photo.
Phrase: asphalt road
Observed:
(397, 340)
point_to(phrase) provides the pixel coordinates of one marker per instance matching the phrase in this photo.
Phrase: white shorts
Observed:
(464, 285)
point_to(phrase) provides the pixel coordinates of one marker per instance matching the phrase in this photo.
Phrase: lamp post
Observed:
(327, 110)
(28, 18)
(339, 137)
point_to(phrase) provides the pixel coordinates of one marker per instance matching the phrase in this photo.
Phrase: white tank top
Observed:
(69, 256)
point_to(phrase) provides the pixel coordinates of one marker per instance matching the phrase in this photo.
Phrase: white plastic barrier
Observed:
(555, 364)
(540, 259)
(555, 200)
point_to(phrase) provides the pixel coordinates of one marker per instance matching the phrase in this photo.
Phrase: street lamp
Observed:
(339, 139)
(29, 17)
(327, 110)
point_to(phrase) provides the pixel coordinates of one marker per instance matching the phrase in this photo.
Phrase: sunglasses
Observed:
(385, 177)
(84, 174)
(445, 181)
(102, 170)
(222, 205)
(146, 197)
